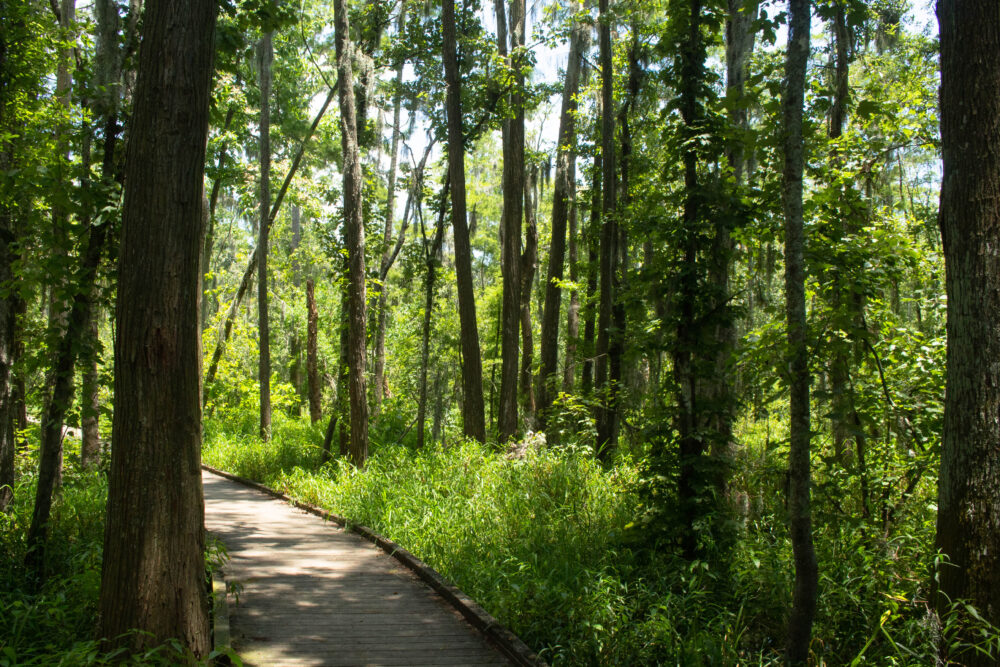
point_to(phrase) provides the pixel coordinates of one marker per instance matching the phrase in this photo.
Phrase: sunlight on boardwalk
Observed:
(315, 595)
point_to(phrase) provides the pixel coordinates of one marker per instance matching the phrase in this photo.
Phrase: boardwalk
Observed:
(316, 595)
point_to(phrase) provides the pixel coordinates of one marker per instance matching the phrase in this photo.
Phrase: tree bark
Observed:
(607, 410)
(593, 264)
(8, 316)
(528, 261)
(562, 203)
(153, 576)
(295, 339)
(312, 355)
(799, 510)
(264, 326)
(968, 524)
(354, 240)
(473, 414)
(573, 312)
(510, 228)
(390, 206)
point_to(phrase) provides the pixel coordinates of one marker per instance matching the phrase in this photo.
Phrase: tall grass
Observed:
(544, 543)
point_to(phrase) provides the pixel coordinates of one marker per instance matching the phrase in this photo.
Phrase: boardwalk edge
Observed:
(506, 641)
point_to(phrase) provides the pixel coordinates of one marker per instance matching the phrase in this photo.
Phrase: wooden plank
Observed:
(315, 595)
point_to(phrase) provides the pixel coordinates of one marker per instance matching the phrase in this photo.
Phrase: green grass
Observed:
(543, 544)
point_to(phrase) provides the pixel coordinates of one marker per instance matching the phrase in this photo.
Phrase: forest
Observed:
(661, 328)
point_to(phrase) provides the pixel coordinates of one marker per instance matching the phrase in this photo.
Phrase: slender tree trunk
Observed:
(593, 264)
(342, 399)
(474, 425)
(354, 240)
(799, 510)
(312, 355)
(90, 440)
(573, 312)
(968, 524)
(251, 269)
(432, 259)
(295, 339)
(153, 577)
(513, 210)
(213, 202)
(264, 326)
(529, 261)
(8, 315)
(562, 204)
(390, 206)
(607, 410)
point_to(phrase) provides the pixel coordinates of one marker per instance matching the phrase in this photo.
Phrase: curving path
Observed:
(313, 594)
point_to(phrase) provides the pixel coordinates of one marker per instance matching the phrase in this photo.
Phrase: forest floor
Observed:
(311, 593)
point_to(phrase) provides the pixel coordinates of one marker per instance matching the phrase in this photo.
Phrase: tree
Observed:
(607, 413)
(354, 240)
(513, 208)
(799, 508)
(562, 203)
(264, 326)
(153, 576)
(969, 484)
(473, 414)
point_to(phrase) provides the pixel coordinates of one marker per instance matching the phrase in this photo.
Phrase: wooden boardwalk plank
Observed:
(313, 594)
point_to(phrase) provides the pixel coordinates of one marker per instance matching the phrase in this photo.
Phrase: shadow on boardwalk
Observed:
(313, 594)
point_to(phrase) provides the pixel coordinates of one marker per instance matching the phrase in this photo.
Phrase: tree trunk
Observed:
(264, 326)
(529, 261)
(251, 269)
(390, 206)
(8, 316)
(592, 237)
(153, 577)
(473, 416)
(90, 440)
(510, 228)
(607, 408)
(573, 312)
(312, 355)
(354, 241)
(799, 510)
(432, 259)
(213, 202)
(562, 203)
(295, 339)
(969, 484)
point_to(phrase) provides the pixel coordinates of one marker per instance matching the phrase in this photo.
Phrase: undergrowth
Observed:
(543, 544)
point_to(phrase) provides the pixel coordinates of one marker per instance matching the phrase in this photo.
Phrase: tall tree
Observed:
(799, 509)
(562, 203)
(8, 307)
(354, 240)
(390, 206)
(607, 412)
(473, 413)
(513, 210)
(153, 576)
(968, 524)
(264, 327)
(312, 354)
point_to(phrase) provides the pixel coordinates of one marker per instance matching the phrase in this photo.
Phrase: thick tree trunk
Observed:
(799, 509)
(312, 354)
(968, 525)
(390, 206)
(510, 228)
(264, 326)
(607, 411)
(153, 577)
(562, 204)
(354, 241)
(473, 415)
